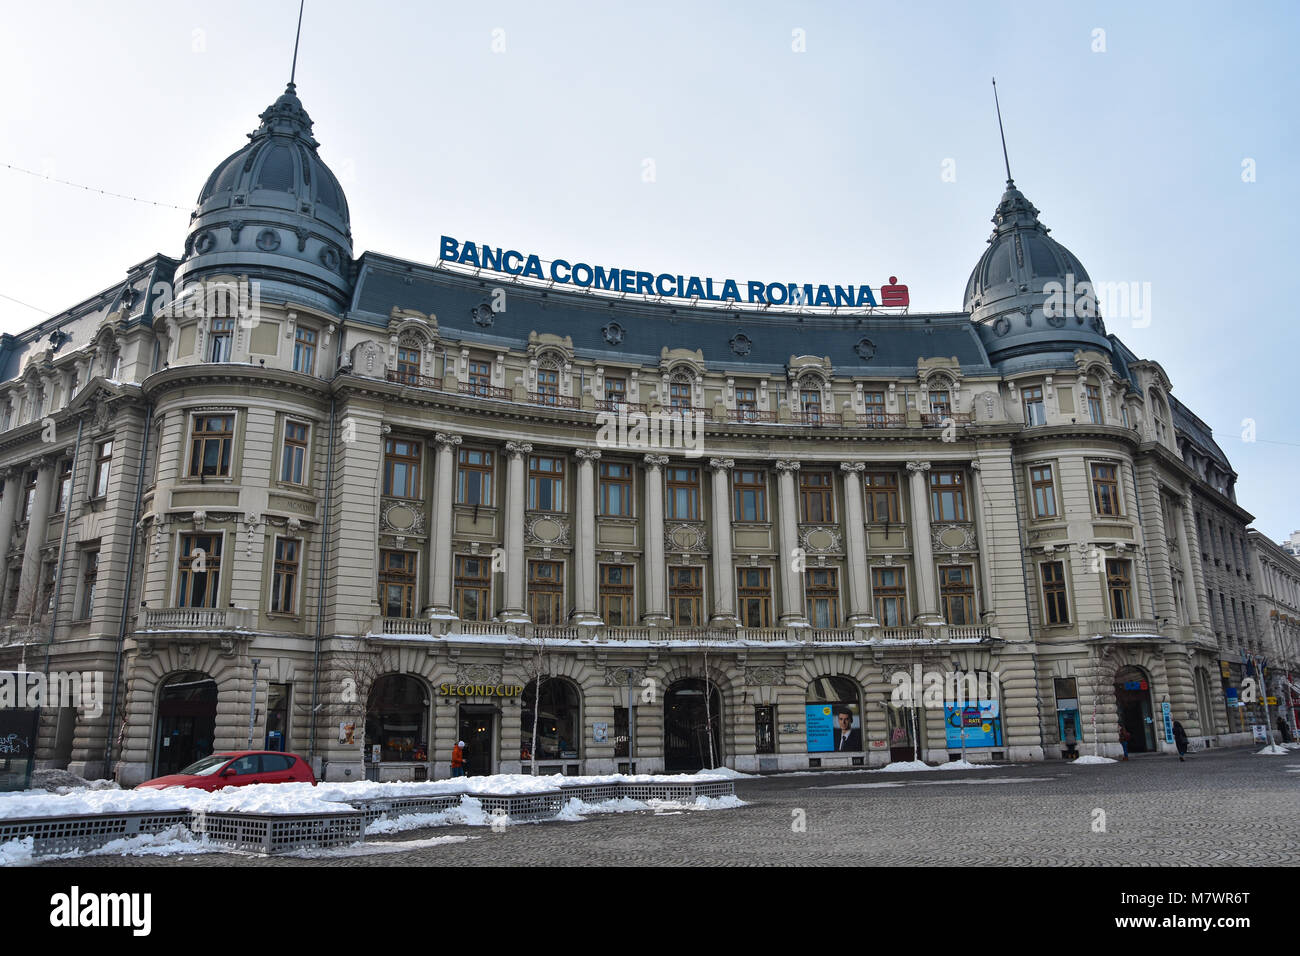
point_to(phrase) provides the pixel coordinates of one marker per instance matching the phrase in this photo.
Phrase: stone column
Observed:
(29, 584)
(922, 555)
(440, 553)
(656, 572)
(988, 614)
(861, 614)
(724, 575)
(516, 563)
(13, 490)
(792, 613)
(1191, 596)
(584, 541)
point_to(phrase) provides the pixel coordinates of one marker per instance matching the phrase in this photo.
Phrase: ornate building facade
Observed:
(365, 507)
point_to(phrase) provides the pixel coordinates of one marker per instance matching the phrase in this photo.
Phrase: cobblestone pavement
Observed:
(1218, 808)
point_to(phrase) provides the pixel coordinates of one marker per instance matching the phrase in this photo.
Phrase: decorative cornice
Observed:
(787, 465)
(518, 449)
(444, 439)
(917, 467)
(722, 464)
(585, 455)
(656, 461)
(853, 467)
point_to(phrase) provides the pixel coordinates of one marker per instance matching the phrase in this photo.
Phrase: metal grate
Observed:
(62, 834)
(267, 833)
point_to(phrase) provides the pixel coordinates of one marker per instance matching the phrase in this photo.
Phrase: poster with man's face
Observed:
(833, 727)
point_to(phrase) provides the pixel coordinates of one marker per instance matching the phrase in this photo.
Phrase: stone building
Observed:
(1278, 581)
(375, 503)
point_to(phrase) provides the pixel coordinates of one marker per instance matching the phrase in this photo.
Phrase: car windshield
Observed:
(206, 766)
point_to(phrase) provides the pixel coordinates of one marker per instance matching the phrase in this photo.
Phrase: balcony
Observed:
(552, 400)
(411, 378)
(196, 619)
(485, 391)
(618, 404)
(940, 419)
(874, 419)
(817, 419)
(1128, 627)
(750, 415)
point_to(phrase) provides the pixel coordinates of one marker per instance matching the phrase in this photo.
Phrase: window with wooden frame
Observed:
(402, 468)
(293, 456)
(747, 404)
(882, 497)
(545, 483)
(810, 403)
(408, 364)
(1043, 489)
(198, 568)
(103, 467)
(686, 596)
(615, 489)
(822, 594)
(1105, 489)
(816, 497)
(615, 389)
(285, 574)
(546, 592)
(474, 468)
(397, 583)
(679, 394)
(548, 385)
(304, 350)
(616, 595)
(1032, 399)
(29, 496)
(1119, 584)
(683, 487)
(957, 594)
(65, 486)
(89, 579)
(480, 375)
(221, 335)
(889, 594)
(947, 495)
(874, 402)
(940, 402)
(748, 495)
(754, 596)
(473, 585)
(210, 444)
(1093, 396)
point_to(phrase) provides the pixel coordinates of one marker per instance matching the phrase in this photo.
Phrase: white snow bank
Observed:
(576, 809)
(1089, 758)
(908, 766)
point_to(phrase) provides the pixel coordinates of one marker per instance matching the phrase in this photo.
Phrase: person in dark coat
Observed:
(1180, 740)
(1283, 730)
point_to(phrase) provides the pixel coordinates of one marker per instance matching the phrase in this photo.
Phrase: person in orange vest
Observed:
(458, 759)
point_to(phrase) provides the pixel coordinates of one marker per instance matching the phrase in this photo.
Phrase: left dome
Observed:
(275, 212)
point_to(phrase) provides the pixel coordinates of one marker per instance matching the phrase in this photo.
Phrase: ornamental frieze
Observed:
(952, 536)
(400, 518)
(686, 537)
(764, 675)
(478, 674)
(546, 530)
(622, 676)
(817, 538)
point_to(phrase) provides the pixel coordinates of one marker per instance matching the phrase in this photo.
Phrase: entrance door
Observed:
(476, 724)
(903, 726)
(187, 720)
(1133, 701)
(687, 728)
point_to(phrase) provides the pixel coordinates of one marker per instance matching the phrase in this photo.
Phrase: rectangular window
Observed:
(747, 404)
(304, 350)
(940, 403)
(875, 407)
(397, 583)
(684, 494)
(103, 467)
(199, 570)
(749, 495)
(1040, 482)
(284, 579)
(821, 589)
(51, 572)
(1056, 607)
(1105, 489)
(210, 444)
(223, 331)
(615, 489)
(29, 498)
(679, 395)
(816, 497)
(401, 468)
(957, 595)
(408, 365)
(754, 596)
(882, 497)
(548, 385)
(293, 460)
(65, 486)
(1093, 394)
(889, 592)
(615, 390)
(685, 596)
(616, 608)
(1035, 411)
(474, 477)
(545, 483)
(545, 591)
(89, 576)
(810, 403)
(764, 729)
(473, 587)
(947, 496)
(480, 376)
(1119, 582)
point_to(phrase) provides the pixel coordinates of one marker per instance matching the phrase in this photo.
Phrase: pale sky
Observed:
(529, 125)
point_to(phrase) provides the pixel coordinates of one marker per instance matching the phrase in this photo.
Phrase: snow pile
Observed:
(1274, 750)
(17, 852)
(1089, 758)
(61, 781)
(962, 765)
(575, 809)
(42, 803)
(375, 847)
(908, 766)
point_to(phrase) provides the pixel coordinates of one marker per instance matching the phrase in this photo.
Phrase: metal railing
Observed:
(484, 391)
(412, 378)
(555, 401)
(750, 415)
(817, 418)
(616, 404)
(939, 419)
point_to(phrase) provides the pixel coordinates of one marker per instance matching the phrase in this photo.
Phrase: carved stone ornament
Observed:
(686, 537)
(268, 240)
(741, 344)
(622, 676)
(613, 333)
(958, 536)
(483, 315)
(329, 258)
(865, 349)
(401, 518)
(204, 243)
(819, 538)
(200, 520)
(546, 530)
(478, 674)
(764, 676)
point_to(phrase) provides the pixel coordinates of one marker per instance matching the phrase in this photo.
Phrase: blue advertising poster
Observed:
(1169, 722)
(821, 727)
(982, 721)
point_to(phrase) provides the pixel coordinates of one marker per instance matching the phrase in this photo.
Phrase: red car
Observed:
(237, 768)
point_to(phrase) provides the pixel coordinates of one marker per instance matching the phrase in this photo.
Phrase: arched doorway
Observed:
(559, 721)
(397, 719)
(833, 716)
(187, 721)
(1133, 701)
(692, 726)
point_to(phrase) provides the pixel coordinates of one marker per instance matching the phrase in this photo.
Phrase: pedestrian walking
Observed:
(1180, 740)
(458, 759)
(1124, 738)
(1071, 741)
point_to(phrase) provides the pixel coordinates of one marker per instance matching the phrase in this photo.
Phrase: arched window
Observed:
(1159, 416)
(397, 719)
(833, 716)
(558, 721)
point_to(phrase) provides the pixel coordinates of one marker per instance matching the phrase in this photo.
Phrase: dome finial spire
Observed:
(293, 69)
(1002, 133)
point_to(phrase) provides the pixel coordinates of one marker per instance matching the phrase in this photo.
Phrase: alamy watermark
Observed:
(33, 689)
(939, 689)
(1089, 300)
(664, 430)
(236, 298)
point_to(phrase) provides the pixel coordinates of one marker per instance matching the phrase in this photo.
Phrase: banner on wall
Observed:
(833, 727)
(982, 722)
